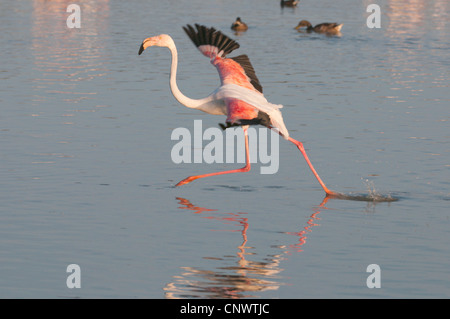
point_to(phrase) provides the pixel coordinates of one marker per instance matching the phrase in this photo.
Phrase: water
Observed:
(87, 177)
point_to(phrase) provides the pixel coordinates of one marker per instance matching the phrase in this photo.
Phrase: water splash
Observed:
(370, 185)
(372, 194)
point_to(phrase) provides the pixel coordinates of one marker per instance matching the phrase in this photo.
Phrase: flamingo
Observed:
(239, 97)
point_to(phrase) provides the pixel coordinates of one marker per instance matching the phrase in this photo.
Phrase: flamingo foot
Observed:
(331, 193)
(187, 180)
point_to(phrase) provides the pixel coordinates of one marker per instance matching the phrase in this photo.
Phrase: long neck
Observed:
(183, 99)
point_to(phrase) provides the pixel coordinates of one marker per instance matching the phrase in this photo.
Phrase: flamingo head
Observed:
(162, 40)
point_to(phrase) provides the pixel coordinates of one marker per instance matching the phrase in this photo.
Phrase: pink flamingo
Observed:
(239, 96)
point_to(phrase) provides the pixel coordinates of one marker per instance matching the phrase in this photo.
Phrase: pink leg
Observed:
(246, 168)
(302, 150)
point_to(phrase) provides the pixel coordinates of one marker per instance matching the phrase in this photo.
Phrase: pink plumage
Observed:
(239, 97)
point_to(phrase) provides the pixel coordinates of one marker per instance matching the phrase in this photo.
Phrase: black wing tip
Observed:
(245, 63)
(203, 35)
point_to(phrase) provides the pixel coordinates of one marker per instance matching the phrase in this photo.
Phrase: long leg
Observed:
(246, 168)
(302, 150)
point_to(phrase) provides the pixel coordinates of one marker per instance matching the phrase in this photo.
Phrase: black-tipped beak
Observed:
(141, 49)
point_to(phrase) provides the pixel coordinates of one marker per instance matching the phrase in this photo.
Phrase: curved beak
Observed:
(145, 44)
(141, 49)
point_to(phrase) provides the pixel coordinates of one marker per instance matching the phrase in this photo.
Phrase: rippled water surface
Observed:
(87, 176)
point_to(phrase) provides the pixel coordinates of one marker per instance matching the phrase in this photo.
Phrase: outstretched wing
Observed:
(210, 42)
(216, 45)
(237, 75)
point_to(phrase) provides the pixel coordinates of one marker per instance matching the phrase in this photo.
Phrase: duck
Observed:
(238, 25)
(289, 3)
(325, 27)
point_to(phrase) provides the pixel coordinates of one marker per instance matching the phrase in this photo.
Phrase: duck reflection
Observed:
(241, 278)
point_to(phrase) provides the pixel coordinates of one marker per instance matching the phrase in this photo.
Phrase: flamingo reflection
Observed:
(302, 235)
(244, 277)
